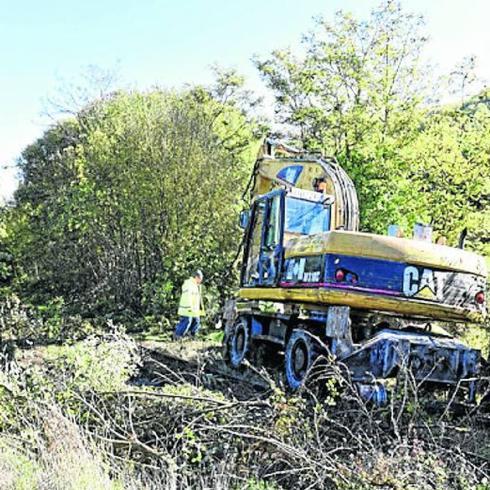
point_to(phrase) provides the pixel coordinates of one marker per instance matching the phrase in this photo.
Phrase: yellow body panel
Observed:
(388, 248)
(268, 170)
(398, 305)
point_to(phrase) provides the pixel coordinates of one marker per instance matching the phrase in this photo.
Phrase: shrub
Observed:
(101, 364)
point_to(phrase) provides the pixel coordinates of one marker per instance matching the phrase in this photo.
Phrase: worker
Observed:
(190, 307)
(320, 184)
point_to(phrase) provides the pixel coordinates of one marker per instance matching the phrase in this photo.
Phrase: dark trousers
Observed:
(187, 325)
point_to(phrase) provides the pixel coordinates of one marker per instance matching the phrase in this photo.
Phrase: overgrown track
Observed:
(306, 441)
(175, 363)
(171, 364)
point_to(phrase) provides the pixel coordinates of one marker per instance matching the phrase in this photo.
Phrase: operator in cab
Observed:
(320, 185)
(190, 307)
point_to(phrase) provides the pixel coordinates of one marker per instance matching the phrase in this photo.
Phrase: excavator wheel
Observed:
(238, 343)
(299, 356)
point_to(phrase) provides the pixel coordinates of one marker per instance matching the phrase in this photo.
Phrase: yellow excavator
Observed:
(310, 282)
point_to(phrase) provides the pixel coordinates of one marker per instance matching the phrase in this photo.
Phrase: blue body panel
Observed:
(370, 273)
(383, 278)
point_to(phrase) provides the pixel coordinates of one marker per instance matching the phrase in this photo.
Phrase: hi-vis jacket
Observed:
(190, 301)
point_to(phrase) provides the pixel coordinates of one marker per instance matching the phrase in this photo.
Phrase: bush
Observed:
(100, 364)
(26, 324)
(118, 205)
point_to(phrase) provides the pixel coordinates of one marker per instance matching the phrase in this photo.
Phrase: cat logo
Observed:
(422, 283)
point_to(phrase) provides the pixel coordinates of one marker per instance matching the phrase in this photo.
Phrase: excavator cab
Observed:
(276, 218)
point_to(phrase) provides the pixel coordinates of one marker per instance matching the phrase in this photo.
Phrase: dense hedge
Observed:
(118, 205)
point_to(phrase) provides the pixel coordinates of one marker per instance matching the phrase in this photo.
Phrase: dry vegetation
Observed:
(106, 413)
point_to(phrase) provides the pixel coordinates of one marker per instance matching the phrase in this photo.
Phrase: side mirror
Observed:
(244, 218)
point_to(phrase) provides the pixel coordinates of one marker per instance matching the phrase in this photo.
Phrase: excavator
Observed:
(311, 284)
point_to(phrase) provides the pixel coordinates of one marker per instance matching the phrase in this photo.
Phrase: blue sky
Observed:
(170, 43)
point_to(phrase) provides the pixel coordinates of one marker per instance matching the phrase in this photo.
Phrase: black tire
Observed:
(299, 356)
(237, 343)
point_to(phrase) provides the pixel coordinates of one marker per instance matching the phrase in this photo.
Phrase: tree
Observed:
(361, 93)
(120, 203)
(450, 168)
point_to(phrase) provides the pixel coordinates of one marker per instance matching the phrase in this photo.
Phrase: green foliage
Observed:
(255, 484)
(17, 470)
(450, 168)
(477, 337)
(97, 364)
(119, 204)
(216, 336)
(47, 322)
(52, 316)
(289, 413)
(361, 93)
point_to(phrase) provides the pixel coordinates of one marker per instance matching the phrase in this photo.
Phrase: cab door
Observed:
(264, 252)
